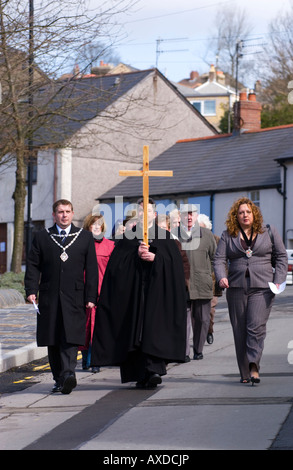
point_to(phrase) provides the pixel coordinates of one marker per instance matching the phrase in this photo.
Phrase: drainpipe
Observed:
(212, 195)
(284, 194)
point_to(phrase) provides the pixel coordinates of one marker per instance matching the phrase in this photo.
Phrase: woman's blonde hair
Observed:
(232, 223)
(91, 219)
(163, 218)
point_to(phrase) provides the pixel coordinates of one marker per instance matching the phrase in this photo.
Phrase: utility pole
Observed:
(29, 225)
(239, 54)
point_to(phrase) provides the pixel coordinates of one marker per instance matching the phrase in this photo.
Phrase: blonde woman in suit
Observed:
(247, 247)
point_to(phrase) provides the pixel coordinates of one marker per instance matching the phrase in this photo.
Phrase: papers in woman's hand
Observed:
(275, 289)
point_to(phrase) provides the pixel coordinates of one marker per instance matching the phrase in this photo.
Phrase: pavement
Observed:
(17, 336)
(200, 405)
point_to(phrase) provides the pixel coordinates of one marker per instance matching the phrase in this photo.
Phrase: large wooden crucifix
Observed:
(145, 173)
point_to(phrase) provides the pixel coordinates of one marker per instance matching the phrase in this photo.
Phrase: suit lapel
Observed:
(74, 229)
(259, 240)
(53, 229)
(237, 243)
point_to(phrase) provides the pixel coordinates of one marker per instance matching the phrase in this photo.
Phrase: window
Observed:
(206, 107)
(254, 197)
(197, 105)
(209, 108)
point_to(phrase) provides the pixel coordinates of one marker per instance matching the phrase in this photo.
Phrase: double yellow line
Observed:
(43, 367)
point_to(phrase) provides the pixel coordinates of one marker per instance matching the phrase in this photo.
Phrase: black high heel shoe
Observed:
(253, 369)
(254, 380)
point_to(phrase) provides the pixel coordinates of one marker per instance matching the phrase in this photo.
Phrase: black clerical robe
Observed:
(142, 304)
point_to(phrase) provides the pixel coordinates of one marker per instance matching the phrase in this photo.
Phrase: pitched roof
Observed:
(215, 164)
(80, 100)
(213, 88)
(74, 102)
(186, 90)
(206, 89)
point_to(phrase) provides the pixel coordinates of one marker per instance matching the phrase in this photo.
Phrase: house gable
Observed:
(151, 112)
(214, 89)
(81, 100)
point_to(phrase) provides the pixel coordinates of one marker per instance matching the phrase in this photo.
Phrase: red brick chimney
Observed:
(194, 75)
(247, 113)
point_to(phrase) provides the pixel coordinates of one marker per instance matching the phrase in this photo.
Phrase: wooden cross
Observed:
(145, 173)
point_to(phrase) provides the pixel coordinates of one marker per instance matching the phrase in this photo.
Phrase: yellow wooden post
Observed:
(145, 173)
(145, 191)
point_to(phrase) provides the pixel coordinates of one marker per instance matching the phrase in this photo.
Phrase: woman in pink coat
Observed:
(104, 248)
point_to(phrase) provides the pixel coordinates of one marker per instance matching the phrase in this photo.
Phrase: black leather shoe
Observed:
(56, 387)
(154, 379)
(69, 384)
(210, 338)
(187, 359)
(152, 382)
(198, 356)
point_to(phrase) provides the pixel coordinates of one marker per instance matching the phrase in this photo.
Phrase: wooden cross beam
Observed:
(145, 173)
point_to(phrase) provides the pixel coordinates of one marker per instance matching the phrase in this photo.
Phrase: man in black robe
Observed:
(141, 316)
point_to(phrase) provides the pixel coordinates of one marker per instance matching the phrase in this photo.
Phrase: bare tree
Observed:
(231, 26)
(277, 71)
(36, 46)
(88, 57)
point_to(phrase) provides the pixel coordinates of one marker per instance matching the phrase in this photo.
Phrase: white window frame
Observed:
(254, 196)
(202, 107)
(204, 104)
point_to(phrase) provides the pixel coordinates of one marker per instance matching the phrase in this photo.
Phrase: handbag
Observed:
(274, 254)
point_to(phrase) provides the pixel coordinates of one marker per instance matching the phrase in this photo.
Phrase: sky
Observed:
(184, 28)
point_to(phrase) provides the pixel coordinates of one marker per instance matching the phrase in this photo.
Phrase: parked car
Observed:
(289, 279)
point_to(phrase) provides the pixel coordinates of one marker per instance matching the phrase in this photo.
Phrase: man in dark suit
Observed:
(62, 267)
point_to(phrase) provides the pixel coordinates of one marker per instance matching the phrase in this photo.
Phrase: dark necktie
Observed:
(63, 233)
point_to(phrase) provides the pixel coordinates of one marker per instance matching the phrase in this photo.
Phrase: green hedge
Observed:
(10, 280)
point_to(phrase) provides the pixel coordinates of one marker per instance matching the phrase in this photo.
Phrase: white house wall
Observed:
(7, 186)
(63, 174)
(42, 192)
(271, 206)
(42, 197)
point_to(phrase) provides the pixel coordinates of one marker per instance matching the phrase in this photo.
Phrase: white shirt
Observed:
(67, 229)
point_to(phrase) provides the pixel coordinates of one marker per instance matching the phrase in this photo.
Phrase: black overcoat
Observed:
(63, 286)
(130, 315)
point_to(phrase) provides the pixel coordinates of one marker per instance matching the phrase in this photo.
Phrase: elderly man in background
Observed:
(200, 247)
(204, 221)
